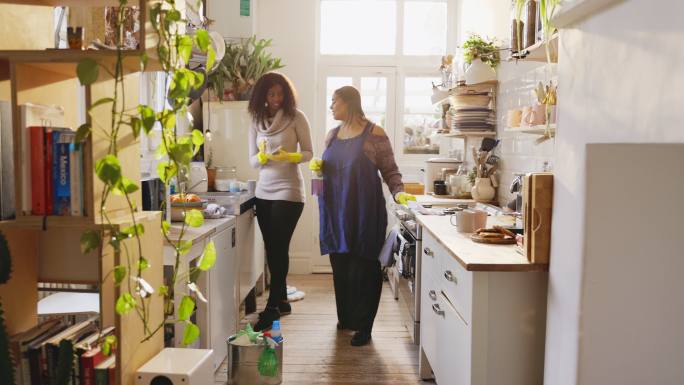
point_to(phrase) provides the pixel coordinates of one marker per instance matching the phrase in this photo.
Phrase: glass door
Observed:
(377, 88)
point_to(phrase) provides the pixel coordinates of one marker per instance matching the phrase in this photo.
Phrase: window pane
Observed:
(374, 99)
(425, 28)
(333, 83)
(358, 27)
(422, 120)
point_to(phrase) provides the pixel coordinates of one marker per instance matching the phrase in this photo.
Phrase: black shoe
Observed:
(340, 326)
(285, 308)
(360, 338)
(266, 319)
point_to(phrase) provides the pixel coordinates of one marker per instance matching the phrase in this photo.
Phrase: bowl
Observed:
(178, 209)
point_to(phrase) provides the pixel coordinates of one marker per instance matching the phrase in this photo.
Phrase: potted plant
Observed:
(483, 57)
(241, 66)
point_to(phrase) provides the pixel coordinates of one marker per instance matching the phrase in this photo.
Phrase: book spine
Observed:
(49, 186)
(38, 188)
(75, 179)
(88, 363)
(101, 376)
(60, 172)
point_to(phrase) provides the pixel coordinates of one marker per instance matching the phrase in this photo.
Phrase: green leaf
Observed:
(108, 169)
(184, 247)
(165, 227)
(128, 185)
(143, 61)
(119, 274)
(125, 303)
(163, 290)
(208, 258)
(173, 15)
(185, 48)
(136, 126)
(166, 170)
(143, 263)
(179, 86)
(202, 40)
(211, 58)
(186, 307)
(132, 230)
(83, 132)
(194, 218)
(190, 334)
(90, 240)
(108, 344)
(168, 119)
(147, 116)
(87, 71)
(197, 137)
(100, 102)
(181, 152)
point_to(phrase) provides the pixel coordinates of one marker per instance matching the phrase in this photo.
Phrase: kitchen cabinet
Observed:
(250, 251)
(479, 327)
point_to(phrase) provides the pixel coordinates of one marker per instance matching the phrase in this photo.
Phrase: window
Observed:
(421, 119)
(358, 27)
(425, 28)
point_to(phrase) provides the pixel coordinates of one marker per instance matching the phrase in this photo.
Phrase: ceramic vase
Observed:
(479, 72)
(483, 191)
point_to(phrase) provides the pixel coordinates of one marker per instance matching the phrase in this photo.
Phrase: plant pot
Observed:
(479, 72)
(534, 115)
(483, 191)
(211, 178)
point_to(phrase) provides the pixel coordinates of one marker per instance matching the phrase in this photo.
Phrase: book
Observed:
(36, 360)
(31, 114)
(61, 180)
(38, 171)
(19, 345)
(104, 371)
(49, 186)
(76, 178)
(87, 354)
(51, 346)
(7, 205)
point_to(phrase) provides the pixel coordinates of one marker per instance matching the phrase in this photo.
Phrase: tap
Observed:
(197, 184)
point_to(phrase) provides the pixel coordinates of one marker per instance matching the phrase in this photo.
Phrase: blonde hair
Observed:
(352, 98)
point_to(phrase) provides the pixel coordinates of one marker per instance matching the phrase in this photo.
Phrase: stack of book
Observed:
(56, 172)
(35, 353)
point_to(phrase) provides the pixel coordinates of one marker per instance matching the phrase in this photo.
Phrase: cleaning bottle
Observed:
(276, 334)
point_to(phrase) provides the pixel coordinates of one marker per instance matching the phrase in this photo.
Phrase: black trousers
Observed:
(358, 286)
(277, 221)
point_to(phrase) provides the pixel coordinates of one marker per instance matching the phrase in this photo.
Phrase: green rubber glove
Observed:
(316, 165)
(284, 156)
(403, 198)
(262, 157)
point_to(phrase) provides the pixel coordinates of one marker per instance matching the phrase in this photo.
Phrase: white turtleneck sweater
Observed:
(281, 180)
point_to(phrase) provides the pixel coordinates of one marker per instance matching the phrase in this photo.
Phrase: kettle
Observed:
(198, 178)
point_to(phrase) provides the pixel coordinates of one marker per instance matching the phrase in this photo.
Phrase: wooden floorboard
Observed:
(315, 352)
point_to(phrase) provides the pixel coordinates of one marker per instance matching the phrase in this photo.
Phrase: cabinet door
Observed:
(453, 348)
(428, 296)
(221, 296)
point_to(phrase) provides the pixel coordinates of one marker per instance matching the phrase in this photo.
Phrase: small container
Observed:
(440, 187)
(316, 184)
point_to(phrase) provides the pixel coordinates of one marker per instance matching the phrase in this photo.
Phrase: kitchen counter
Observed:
(197, 234)
(439, 201)
(476, 256)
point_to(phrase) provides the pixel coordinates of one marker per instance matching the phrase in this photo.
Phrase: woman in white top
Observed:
(279, 140)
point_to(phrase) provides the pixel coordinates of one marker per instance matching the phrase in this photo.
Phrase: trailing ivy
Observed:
(173, 51)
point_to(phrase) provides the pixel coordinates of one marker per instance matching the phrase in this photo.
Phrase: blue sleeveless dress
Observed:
(353, 217)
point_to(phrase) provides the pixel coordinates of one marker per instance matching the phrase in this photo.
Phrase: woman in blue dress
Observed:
(353, 217)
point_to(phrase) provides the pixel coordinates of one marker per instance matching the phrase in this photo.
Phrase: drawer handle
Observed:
(429, 252)
(449, 276)
(432, 294)
(437, 309)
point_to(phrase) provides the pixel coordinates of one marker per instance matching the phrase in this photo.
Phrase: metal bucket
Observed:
(242, 364)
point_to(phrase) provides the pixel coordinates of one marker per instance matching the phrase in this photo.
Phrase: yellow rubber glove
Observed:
(262, 157)
(316, 165)
(403, 198)
(284, 156)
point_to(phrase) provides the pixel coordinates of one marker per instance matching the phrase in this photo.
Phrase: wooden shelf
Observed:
(64, 61)
(534, 130)
(537, 51)
(465, 134)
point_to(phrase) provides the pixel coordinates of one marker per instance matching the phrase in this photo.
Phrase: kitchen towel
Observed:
(386, 256)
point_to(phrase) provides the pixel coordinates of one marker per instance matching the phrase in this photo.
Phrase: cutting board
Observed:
(538, 206)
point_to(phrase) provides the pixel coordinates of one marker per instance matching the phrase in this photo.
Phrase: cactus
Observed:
(6, 365)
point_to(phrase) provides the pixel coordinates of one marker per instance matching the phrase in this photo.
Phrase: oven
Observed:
(406, 271)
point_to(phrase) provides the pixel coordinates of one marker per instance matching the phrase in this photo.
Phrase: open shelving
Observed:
(533, 130)
(537, 51)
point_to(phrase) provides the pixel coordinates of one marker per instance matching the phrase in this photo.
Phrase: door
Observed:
(377, 87)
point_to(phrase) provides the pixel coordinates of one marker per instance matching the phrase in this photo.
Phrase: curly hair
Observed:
(257, 103)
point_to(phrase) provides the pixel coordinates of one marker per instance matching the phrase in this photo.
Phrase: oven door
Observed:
(407, 284)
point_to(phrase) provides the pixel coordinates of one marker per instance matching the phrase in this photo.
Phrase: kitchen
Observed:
(528, 257)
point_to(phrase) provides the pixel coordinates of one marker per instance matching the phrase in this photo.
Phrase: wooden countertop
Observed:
(197, 234)
(475, 256)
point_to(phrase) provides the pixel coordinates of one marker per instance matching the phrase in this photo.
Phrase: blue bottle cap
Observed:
(276, 325)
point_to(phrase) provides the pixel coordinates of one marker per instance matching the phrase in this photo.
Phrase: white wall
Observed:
(292, 26)
(620, 80)
(227, 19)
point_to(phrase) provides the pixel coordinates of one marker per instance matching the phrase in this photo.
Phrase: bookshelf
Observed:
(47, 248)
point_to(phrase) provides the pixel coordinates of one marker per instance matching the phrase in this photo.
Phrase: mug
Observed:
(513, 118)
(467, 221)
(534, 116)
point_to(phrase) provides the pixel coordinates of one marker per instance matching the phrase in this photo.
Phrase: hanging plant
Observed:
(486, 50)
(173, 51)
(547, 8)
